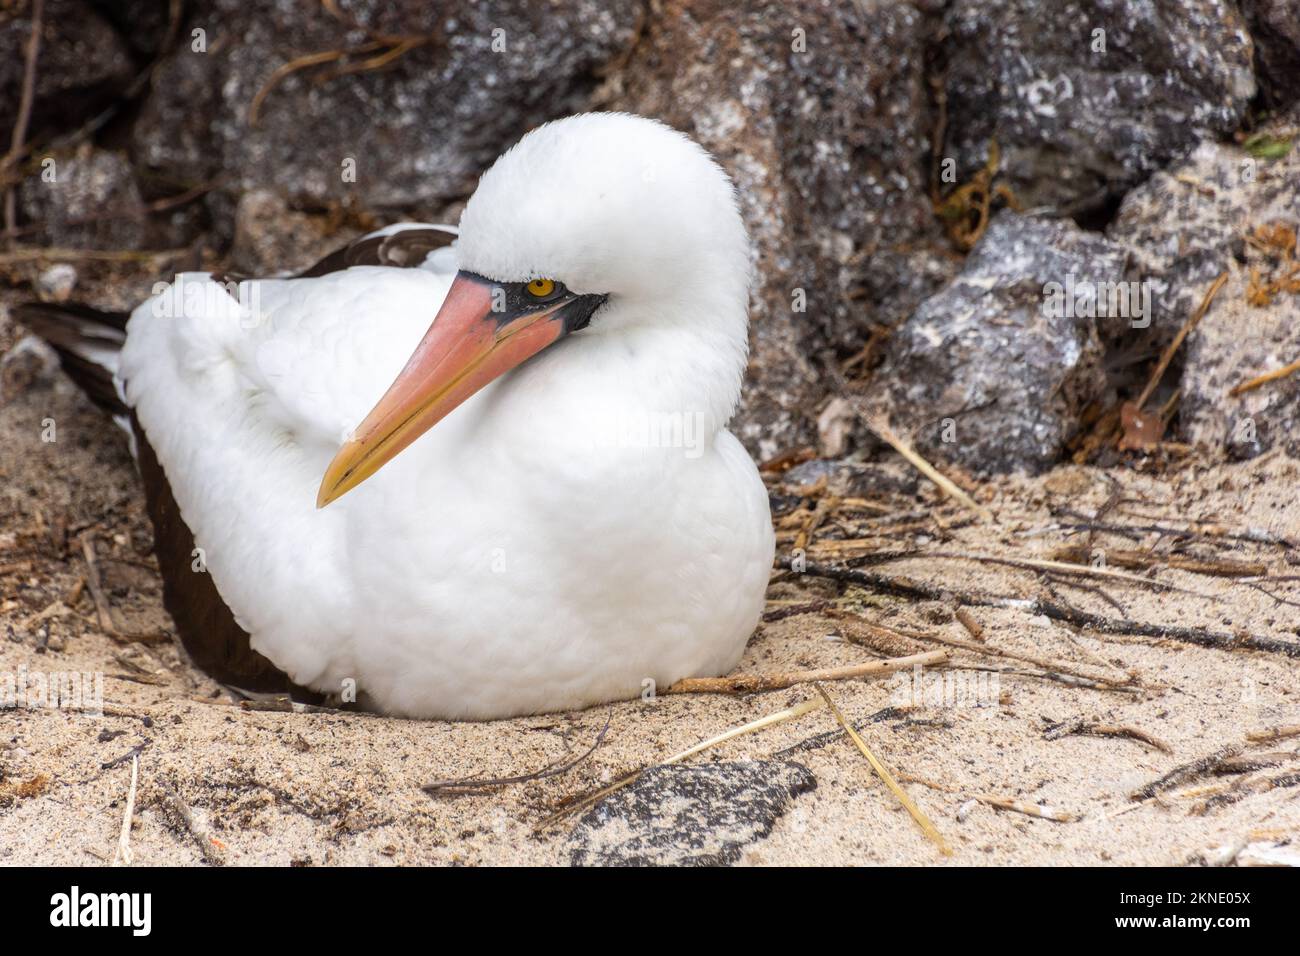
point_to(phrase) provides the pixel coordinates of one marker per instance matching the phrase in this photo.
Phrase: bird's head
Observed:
(589, 225)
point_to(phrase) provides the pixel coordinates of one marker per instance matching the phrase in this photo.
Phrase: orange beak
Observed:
(468, 345)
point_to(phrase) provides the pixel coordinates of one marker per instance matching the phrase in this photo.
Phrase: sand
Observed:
(342, 788)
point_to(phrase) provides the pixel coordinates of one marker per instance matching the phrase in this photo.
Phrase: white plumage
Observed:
(582, 526)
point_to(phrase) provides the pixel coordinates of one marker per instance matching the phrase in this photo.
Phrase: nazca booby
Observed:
(580, 526)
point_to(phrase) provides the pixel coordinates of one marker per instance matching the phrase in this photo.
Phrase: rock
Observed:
(834, 426)
(1186, 226)
(1234, 343)
(820, 113)
(141, 23)
(993, 371)
(688, 815)
(418, 131)
(1077, 123)
(56, 283)
(853, 479)
(29, 363)
(82, 66)
(92, 202)
(1275, 28)
(271, 238)
(1268, 853)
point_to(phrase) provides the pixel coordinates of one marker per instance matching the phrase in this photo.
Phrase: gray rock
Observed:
(271, 238)
(1186, 226)
(829, 145)
(988, 373)
(1233, 343)
(82, 65)
(56, 283)
(854, 479)
(688, 815)
(29, 364)
(1076, 126)
(419, 131)
(1275, 28)
(92, 202)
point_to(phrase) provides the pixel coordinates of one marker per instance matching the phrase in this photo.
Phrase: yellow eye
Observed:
(541, 288)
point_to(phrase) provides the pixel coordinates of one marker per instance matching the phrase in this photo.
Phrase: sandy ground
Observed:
(340, 788)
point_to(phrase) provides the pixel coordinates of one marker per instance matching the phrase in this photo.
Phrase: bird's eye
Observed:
(541, 288)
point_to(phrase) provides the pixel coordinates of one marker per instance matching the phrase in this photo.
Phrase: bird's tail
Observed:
(88, 342)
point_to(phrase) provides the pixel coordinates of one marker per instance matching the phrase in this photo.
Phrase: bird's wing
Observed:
(244, 398)
(405, 245)
(320, 352)
(87, 342)
(307, 356)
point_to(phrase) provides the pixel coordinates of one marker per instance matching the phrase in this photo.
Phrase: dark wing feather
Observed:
(404, 249)
(87, 341)
(83, 338)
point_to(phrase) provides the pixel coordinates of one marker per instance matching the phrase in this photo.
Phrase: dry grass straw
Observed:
(762, 723)
(882, 771)
(882, 428)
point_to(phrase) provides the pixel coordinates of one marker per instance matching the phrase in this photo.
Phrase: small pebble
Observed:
(57, 282)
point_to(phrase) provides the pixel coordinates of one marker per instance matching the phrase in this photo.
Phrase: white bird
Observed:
(579, 527)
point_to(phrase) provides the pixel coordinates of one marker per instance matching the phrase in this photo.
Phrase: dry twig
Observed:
(124, 854)
(905, 587)
(1063, 567)
(883, 773)
(103, 610)
(464, 785)
(1128, 558)
(967, 621)
(882, 428)
(1269, 734)
(1260, 380)
(1172, 348)
(1093, 728)
(1185, 772)
(982, 649)
(756, 683)
(573, 806)
(1028, 809)
(207, 843)
(25, 99)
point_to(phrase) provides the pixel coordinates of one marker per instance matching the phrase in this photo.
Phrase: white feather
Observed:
(534, 551)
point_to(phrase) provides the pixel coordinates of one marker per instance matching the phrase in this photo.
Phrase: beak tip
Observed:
(331, 488)
(345, 471)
